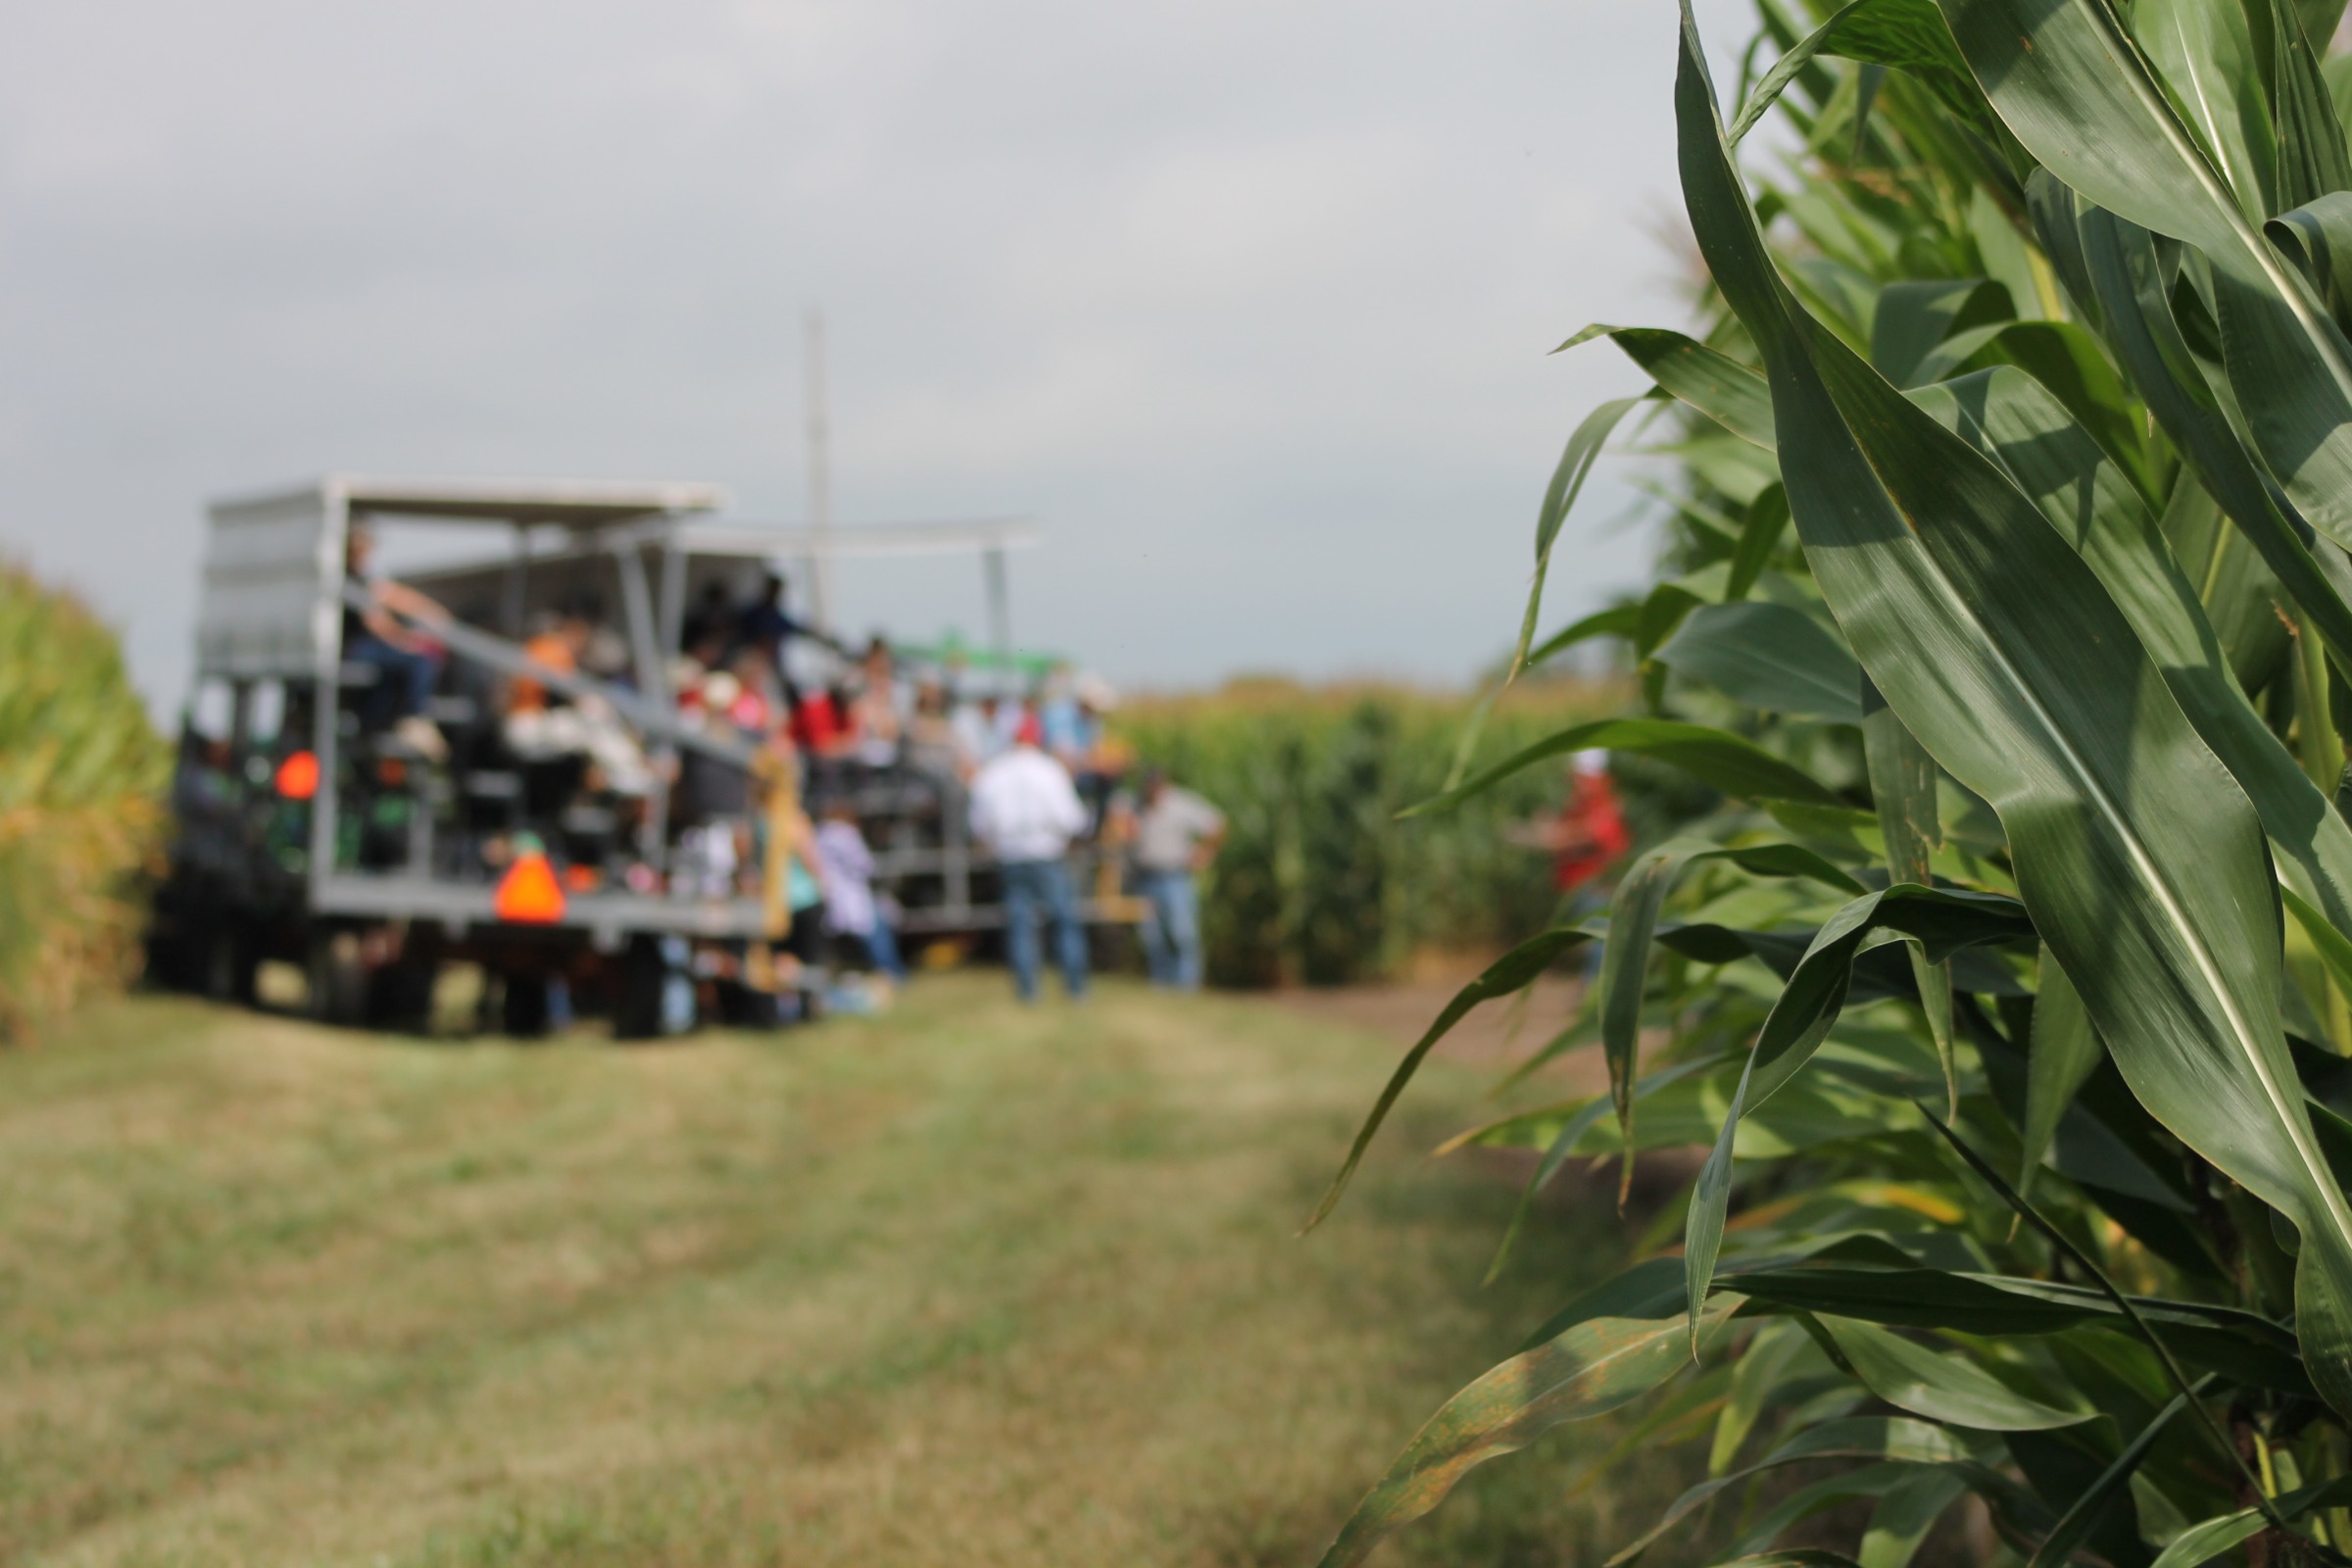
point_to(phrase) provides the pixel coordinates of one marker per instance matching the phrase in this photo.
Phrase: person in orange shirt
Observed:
(557, 648)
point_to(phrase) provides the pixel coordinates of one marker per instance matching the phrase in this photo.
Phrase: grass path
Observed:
(965, 1285)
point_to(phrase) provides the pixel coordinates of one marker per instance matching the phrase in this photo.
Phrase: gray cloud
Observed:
(1248, 302)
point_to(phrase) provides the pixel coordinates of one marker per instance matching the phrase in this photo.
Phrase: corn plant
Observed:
(2008, 608)
(80, 802)
(1317, 882)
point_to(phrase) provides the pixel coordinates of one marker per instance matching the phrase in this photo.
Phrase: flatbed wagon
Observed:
(309, 834)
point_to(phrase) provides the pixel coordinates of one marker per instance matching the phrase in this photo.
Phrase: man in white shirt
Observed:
(1026, 811)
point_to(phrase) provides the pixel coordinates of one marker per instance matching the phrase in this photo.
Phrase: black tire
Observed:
(172, 965)
(229, 965)
(523, 1007)
(742, 1008)
(637, 993)
(400, 996)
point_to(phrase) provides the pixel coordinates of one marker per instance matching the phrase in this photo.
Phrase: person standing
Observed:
(1586, 839)
(1026, 811)
(1590, 835)
(851, 907)
(1176, 837)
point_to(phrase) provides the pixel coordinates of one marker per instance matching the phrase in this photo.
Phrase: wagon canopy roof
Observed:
(581, 504)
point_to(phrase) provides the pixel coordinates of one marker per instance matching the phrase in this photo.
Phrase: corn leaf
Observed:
(2139, 857)
(1511, 972)
(2076, 92)
(1590, 1368)
(1768, 657)
(1714, 757)
(1940, 1385)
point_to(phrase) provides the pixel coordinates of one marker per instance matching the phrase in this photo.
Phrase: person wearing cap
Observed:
(1176, 837)
(1586, 839)
(1026, 811)
(1590, 834)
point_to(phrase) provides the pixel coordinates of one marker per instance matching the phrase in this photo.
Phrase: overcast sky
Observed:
(1247, 302)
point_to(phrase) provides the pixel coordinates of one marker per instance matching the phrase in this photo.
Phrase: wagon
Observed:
(304, 835)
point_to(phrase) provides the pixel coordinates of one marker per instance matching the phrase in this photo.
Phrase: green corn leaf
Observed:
(1511, 972)
(2208, 1539)
(1792, 61)
(1903, 784)
(2312, 157)
(1916, 1297)
(2121, 269)
(2142, 860)
(1618, 620)
(2070, 367)
(1770, 657)
(1913, 318)
(1567, 479)
(1465, 745)
(1562, 1149)
(1868, 1484)
(2204, 54)
(2016, 423)
(2316, 237)
(1651, 1288)
(1941, 1384)
(1941, 921)
(1625, 960)
(2125, 1305)
(1661, 613)
(1905, 1512)
(2073, 87)
(2083, 1515)
(2334, 949)
(1759, 537)
(1710, 381)
(1904, 34)
(1755, 1376)
(1624, 967)
(1714, 757)
(2318, 746)
(1895, 1440)
(2319, 18)
(2063, 1054)
(1591, 1368)
(2235, 1344)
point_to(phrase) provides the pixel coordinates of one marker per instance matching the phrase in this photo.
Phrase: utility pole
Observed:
(820, 478)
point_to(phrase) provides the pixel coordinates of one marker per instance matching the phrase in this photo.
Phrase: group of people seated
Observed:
(816, 718)
(763, 672)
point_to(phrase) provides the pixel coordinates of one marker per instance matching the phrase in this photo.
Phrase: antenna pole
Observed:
(820, 478)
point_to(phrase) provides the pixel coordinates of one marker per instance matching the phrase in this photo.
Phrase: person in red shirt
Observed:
(1591, 835)
(1588, 835)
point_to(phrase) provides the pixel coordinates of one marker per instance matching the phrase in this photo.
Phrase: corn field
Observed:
(81, 776)
(2007, 602)
(1318, 883)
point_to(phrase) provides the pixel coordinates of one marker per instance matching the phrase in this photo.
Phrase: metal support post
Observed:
(1000, 612)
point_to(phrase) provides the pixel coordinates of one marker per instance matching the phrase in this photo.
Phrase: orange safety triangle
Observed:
(298, 776)
(529, 894)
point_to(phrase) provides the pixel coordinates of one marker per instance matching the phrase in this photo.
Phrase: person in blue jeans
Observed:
(1026, 811)
(404, 662)
(1176, 837)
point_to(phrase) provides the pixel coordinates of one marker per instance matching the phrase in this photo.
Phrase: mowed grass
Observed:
(968, 1283)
